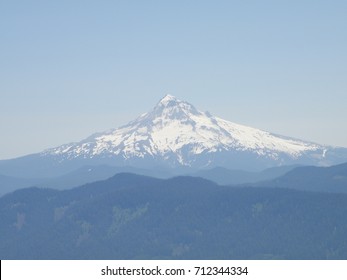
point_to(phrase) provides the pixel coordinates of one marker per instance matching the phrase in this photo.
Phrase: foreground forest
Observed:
(136, 217)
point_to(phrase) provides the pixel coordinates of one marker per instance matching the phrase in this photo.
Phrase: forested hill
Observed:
(136, 217)
(313, 178)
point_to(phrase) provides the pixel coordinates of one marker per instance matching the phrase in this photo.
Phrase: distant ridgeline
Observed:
(325, 179)
(136, 217)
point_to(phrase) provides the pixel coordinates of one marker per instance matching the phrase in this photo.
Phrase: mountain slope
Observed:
(9, 184)
(137, 217)
(225, 176)
(313, 178)
(178, 136)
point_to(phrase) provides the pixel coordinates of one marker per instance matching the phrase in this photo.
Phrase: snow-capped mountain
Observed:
(175, 138)
(176, 134)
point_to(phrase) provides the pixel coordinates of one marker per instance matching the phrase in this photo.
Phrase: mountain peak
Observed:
(168, 100)
(168, 97)
(172, 107)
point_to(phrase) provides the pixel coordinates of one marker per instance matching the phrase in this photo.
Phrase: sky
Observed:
(69, 69)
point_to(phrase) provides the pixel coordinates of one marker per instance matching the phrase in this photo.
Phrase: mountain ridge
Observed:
(331, 179)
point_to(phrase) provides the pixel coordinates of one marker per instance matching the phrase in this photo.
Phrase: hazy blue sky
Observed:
(72, 68)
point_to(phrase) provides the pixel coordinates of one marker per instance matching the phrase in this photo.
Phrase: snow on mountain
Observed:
(175, 131)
